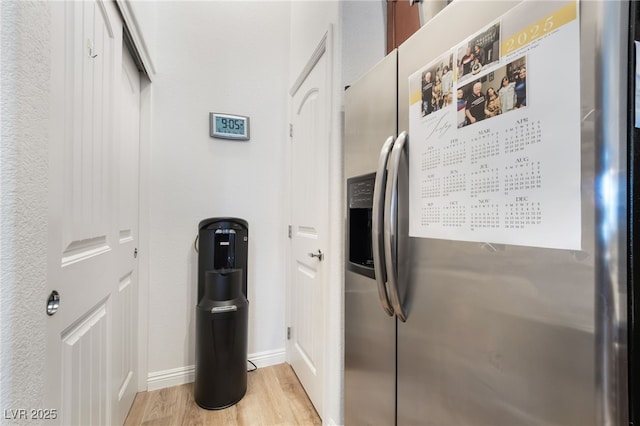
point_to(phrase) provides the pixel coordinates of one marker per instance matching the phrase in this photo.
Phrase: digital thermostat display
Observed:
(227, 126)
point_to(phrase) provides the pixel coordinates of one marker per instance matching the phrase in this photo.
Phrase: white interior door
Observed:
(125, 324)
(309, 213)
(92, 219)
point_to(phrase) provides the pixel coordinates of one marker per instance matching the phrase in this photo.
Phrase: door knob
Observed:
(319, 255)
(53, 303)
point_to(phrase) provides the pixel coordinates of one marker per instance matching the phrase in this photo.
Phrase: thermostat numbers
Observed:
(227, 126)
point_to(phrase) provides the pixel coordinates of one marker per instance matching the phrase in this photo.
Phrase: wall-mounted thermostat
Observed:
(228, 126)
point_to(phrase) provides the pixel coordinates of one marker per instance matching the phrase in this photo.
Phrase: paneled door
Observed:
(309, 213)
(93, 218)
(125, 296)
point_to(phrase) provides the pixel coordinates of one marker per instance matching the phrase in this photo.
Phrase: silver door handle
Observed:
(391, 227)
(53, 303)
(377, 232)
(319, 255)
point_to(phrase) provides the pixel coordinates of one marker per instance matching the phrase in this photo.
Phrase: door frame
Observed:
(143, 58)
(333, 314)
(144, 201)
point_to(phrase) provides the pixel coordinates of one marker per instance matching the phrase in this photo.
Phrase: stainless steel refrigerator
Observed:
(494, 330)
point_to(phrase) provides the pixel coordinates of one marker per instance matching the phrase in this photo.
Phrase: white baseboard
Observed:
(179, 376)
(267, 358)
(167, 378)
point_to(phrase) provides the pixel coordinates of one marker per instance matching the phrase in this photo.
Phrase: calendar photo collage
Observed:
(485, 158)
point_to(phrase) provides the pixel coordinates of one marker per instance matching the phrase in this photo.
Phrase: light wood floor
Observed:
(274, 397)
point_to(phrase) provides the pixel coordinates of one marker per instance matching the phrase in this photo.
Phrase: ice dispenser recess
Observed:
(223, 244)
(359, 224)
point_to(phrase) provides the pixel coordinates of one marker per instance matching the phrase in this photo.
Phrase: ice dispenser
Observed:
(359, 224)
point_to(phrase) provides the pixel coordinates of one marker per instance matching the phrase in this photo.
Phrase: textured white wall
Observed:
(24, 91)
(216, 57)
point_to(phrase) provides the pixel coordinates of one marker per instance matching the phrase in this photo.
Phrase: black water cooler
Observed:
(222, 313)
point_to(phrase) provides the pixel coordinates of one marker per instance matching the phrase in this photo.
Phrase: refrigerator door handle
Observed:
(377, 235)
(391, 227)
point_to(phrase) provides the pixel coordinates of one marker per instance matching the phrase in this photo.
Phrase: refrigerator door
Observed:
(370, 333)
(634, 226)
(610, 56)
(370, 116)
(499, 334)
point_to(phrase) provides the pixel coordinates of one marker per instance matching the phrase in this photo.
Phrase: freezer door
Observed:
(369, 361)
(370, 333)
(506, 335)
(370, 116)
